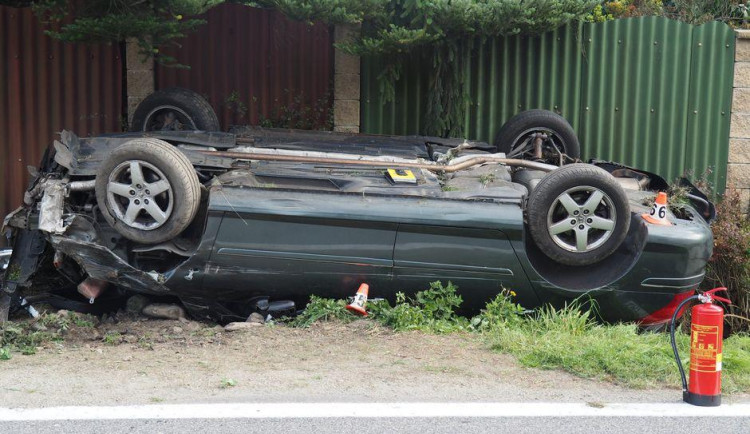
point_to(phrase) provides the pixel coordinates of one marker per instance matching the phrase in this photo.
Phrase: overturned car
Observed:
(235, 224)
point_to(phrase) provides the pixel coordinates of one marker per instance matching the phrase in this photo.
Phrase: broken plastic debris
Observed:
(29, 308)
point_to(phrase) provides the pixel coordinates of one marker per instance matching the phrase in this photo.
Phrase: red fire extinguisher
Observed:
(706, 332)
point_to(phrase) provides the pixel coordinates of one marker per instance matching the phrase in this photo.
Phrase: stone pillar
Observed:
(345, 83)
(140, 76)
(738, 170)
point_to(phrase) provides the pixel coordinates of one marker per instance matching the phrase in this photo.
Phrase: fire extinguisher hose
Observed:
(674, 344)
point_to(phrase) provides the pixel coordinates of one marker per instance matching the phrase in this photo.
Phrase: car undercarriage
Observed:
(276, 216)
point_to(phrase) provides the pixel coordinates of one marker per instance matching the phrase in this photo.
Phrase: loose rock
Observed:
(235, 326)
(136, 303)
(164, 311)
(255, 317)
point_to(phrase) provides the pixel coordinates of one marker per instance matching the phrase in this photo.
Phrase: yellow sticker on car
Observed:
(401, 176)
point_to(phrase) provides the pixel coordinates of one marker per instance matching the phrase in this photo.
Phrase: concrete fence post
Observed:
(140, 76)
(345, 83)
(738, 169)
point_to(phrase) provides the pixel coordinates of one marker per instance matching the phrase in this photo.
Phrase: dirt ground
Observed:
(142, 361)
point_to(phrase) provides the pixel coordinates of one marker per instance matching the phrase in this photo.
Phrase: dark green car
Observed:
(231, 224)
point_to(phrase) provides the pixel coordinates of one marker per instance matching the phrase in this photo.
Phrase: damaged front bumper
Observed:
(57, 250)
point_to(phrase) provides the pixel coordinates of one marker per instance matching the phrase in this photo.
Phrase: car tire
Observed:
(514, 137)
(174, 109)
(578, 214)
(147, 190)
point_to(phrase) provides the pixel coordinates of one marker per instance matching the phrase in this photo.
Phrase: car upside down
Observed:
(232, 225)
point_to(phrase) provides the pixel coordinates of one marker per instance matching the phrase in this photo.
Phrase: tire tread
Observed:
(200, 111)
(189, 202)
(551, 186)
(539, 118)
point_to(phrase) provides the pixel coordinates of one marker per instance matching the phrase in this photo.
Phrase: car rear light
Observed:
(664, 315)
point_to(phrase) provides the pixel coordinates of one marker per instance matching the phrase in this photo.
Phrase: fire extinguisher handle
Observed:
(725, 300)
(713, 292)
(720, 288)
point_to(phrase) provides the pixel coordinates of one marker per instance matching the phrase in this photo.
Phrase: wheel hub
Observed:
(539, 145)
(581, 219)
(168, 118)
(140, 195)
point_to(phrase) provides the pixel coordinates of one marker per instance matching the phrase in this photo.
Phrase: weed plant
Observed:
(25, 337)
(568, 338)
(730, 264)
(321, 309)
(432, 310)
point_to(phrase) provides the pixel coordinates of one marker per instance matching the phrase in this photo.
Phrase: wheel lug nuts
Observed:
(132, 192)
(572, 222)
(589, 220)
(585, 211)
(137, 202)
(138, 186)
(575, 212)
(581, 227)
(145, 201)
(148, 192)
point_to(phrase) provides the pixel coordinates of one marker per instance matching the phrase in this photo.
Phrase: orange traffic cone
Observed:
(358, 305)
(658, 214)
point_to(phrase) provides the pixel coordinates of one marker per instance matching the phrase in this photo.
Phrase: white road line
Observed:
(370, 410)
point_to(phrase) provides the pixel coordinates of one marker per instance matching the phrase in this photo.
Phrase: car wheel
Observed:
(519, 137)
(147, 190)
(174, 109)
(578, 214)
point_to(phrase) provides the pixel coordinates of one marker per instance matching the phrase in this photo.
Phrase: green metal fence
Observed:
(648, 92)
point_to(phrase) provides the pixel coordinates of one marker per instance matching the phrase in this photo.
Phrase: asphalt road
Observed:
(381, 417)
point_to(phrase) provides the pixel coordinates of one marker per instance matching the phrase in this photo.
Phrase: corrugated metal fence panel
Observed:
(637, 80)
(265, 60)
(629, 88)
(45, 87)
(512, 74)
(502, 78)
(709, 107)
(403, 116)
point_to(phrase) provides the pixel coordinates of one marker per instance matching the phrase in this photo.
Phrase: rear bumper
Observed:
(656, 267)
(671, 268)
(664, 315)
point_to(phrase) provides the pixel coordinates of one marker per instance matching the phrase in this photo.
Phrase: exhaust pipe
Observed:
(454, 165)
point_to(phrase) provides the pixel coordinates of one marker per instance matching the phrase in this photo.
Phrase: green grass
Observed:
(432, 310)
(567, 339)
(112, 338)
(24, 337)
(321, 309)
(226, 383)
